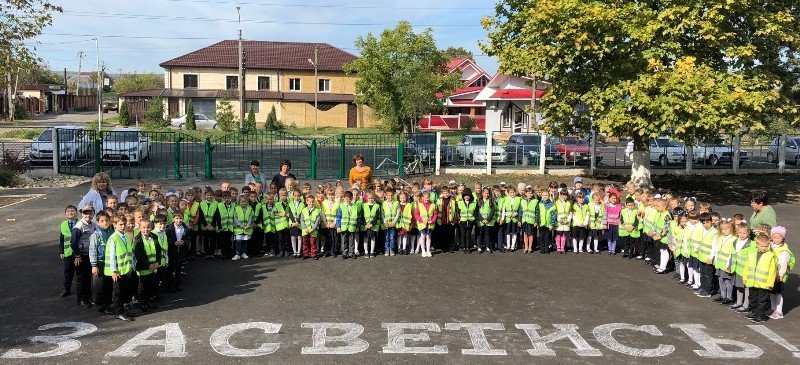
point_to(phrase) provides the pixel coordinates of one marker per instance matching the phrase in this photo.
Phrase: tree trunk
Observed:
(640, 163)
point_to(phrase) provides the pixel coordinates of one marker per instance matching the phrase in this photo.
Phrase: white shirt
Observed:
(179, 232)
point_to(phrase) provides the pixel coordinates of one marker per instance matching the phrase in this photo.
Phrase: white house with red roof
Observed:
(461, 104)
(507, 99)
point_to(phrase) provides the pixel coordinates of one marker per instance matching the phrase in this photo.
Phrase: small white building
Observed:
(508, 99)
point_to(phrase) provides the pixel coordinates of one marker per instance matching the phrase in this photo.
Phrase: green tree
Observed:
(190, 122)
(452, 53)
(400, 74)
(124, 114)
(135, 82)
(693, 68)
(226, 120)
(40, 73)
(250, 121)
(154, 115)
(21, 21)
(272, 123)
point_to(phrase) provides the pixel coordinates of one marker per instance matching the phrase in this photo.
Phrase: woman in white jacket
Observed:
(98, 193)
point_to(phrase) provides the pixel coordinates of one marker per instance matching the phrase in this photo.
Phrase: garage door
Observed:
(208, 107)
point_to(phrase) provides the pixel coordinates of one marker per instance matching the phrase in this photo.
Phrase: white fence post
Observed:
(488, 151)
(782, 154)
(542, 151)
(593, 166)
(689, 150)
(55, 149)
(437, 169)
(737, 144)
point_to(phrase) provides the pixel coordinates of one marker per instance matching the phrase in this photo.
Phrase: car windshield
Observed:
(122, 136)
(666, 143)
(570, 140)
(796, 141)
(528, 140)
(479, 141)
(63, 135)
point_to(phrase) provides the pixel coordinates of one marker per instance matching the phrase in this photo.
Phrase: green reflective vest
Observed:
(226, 216)
(694, 238)
(208, 209)
(466, 213)
(563, 211)
(390, 211)
(724, 258)
(189, 214)
(649, 219)
(579, 213)
(760, 272)
(150, 250)
(349, 217)
(529, 211)
(740, 257)
(67, 233)
(451, 210)
(309, 217)
(122, 251)
(406, 216)
(296, 208)
(706, 243)
(780, 249)
(281, 222)
(546, 215)
(370, 213)
(676, 235)
(660, 225)
(628, 217)
(268, 218)
(596, 213)
(511, 208)
(329, 209)
(425, 215)
(244, 217)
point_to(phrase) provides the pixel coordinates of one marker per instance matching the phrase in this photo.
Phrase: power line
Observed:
(196, 19)
(332, 6)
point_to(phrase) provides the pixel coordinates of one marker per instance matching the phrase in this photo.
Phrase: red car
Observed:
(572, 149)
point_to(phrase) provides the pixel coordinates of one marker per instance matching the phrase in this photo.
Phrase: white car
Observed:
(73, 143)
(125, 145)
(200, 120)
(720, 153)
(472, 148)
(665, 151)
(792, 150)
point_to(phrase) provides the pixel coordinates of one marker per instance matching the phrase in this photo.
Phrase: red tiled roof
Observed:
(515, 94)
(449, 122)
(467, 90)
(265, 55)
(452, 64)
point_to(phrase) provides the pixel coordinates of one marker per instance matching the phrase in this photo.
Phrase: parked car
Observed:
(792, 150)
(201, 121)
(73, 144)
(720, 153)
(523, 149)
(472, 149)
(125, 145)
(424, 146)
(110, 104)
(665, 151)
(573, 149)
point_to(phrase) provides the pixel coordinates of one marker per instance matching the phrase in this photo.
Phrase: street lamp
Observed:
(316, 85)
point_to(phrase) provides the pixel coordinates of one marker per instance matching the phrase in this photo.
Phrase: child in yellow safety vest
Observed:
(527, 221)
(486, 219)
(118, 266)
(147, 259)
(310, 219)
(659, 233)
(563, 221)
(425, 216)
(346, 222)
(677, 230)
(372, 223)
(281, 219)
(243, 219)
(405, 222)
(225, 234)
(705, 243)
(295, 208)
(785, 262)
(723, 254)
(268, 224)
(390, 212)
(580, 221)
(740, 251)
(64, 248)
(327, 231)
(760, 271)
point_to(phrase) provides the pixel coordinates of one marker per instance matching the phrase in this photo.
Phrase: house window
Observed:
(294, 84)
(190, 81)
(263, 82)
(508, 114)
(324, 85)
(251, 105)
(231, 82)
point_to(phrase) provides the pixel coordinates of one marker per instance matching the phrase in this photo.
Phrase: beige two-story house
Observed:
(279, 74)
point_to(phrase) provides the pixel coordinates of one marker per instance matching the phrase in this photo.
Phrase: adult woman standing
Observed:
(762, 211)
(280, 178)
(360, 173)
(98, 193)
(255, 175)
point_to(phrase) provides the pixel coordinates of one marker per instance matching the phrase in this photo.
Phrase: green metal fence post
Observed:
(98, 154)
(177, 157)
(401, 154)
(342, 156)
(313, 148)
(207, 160)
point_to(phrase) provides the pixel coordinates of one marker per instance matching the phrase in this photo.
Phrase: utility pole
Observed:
(316, 85)
(241, 72)
(99, 87)
(78, 83)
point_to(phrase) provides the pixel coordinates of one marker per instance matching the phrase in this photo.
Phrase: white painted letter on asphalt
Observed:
(320, 339)
(65, 343)
(396, 343)
(221, 339)
(478, 337)
(174, 342)
(565, 331)
(605, 335)
(774, 337)
(712, 345)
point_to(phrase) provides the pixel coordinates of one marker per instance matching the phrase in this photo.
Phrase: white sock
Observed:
(664, 259)
(776, 301)
(372, 246)
(681, 268)
(696, 278)
(596, 241)
(508, 242)
(513, 242)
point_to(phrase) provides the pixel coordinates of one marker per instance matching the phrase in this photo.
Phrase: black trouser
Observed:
(759, 302)
(348, 243)
(545, 239)
(500, 234)
(446, 237)
(629, 245)
(191, 239)
(102, 287)
(706, 277)
(173, 275)
(271, 243)
(283, 239)
(69, 272)
(225, 243)
(209, 241)
(83, 279)
(486, 237)
(467, 239)
(147, 285)
(255, 247)
(121, 291)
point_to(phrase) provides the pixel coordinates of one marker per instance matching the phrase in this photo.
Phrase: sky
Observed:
(135, 36)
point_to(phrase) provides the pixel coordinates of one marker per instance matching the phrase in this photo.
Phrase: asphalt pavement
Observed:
(448, 309)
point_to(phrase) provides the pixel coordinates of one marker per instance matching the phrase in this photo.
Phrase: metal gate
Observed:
(231, 154)
(330, 158)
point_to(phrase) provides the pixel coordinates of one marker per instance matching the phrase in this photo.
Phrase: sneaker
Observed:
(758, 320)
(742, 310)
(703, 294)
(776, 315)
(244, 256)
(391, 254)
(236, 257)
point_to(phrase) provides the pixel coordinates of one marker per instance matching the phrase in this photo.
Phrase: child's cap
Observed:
(781, 230)
(521, 186)
(90, 209)
(577, 179)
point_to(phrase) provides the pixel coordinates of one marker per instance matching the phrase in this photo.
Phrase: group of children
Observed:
(154, 234)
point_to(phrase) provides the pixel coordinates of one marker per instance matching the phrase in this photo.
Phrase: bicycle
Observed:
(413, 167)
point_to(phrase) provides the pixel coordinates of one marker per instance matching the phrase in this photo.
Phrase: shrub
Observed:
(250, 121)
(7, 176)
(468, 125)
(272, 123)
(155, 112)
(225, 117)
(124, 115)
(19, 112)
(190, 123)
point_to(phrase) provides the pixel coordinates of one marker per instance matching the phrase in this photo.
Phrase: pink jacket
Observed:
(421, 205)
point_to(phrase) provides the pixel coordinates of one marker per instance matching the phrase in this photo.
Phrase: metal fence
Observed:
(178, 155)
